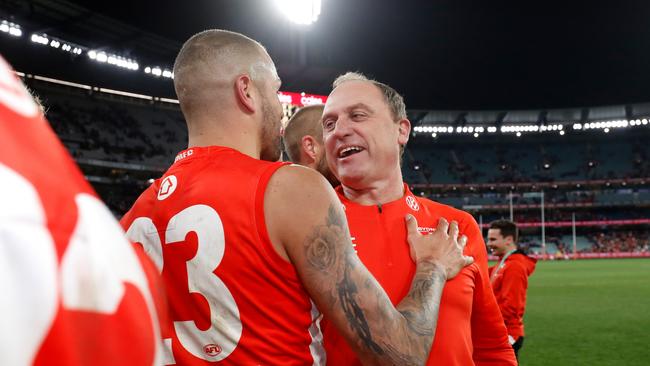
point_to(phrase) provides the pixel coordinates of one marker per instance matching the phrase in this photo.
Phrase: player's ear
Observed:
(244, 93)
(309, 146)
(404, 131)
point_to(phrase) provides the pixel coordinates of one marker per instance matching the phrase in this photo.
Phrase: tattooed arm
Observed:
(307, 226)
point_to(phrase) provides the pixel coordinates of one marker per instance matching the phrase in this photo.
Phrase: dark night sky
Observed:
(441, 54)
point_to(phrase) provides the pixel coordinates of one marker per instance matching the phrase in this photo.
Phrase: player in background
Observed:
(303, 141)
(74, 290)
(509, 278)
(365, 129)
(245, 243)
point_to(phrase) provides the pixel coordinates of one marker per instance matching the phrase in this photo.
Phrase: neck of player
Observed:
(236, 138)
(378, 192)
(509, 248)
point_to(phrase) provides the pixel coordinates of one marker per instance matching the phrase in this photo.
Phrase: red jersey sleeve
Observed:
(489, 334)
(513, 290)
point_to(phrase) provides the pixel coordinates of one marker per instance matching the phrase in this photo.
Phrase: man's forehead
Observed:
(494, 232)
(351, 93)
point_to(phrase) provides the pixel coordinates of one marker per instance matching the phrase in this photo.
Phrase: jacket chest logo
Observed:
(412, 203)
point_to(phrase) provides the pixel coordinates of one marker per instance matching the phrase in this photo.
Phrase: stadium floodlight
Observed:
(102, 57)
(12, 29)
(577, 126)
(475, 134)
(167, 74)
(518, 134)
(156, 71)
(491, 129)
(561, 133)
(40, 39)
(434, 135)
(54, 43)
(606, 130)
(16, 32)
(303, 12)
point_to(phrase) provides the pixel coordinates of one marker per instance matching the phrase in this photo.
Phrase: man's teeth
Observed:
(349, 150)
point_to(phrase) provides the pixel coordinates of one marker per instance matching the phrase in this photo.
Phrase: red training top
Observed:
(509, 285)
(470, 327)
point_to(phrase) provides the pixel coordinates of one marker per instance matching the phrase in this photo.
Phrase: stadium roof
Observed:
(447, 54)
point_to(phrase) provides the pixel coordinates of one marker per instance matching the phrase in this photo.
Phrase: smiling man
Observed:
(365, 129)
(510, 278)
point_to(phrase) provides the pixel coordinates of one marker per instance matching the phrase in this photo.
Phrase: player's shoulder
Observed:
(298, 178)
(448, 212)
(143, 203)
(294, 187)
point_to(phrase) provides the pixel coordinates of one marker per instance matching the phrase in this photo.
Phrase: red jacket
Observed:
(509, 286)
(470, 327)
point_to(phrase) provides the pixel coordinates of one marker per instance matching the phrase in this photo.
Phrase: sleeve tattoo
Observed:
(408, 343)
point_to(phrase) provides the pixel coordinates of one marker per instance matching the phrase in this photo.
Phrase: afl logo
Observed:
(167, 187)
(412, 203)
(211, 350)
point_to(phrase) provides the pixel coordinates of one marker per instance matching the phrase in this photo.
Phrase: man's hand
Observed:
(442, 247)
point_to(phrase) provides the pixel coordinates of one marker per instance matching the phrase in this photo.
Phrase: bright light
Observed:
(102, 57)
(92, 55)
(561, 133)
(577, 126)
(156, 71)
(607, 130)
(16, 32)
(11, 28)
(475, 134)
(300, 11)
(40, 39)
(167, 74)
(434, 135)
(518, 134)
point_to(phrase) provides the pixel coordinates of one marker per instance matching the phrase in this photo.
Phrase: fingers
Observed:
(462, 242)
(467, 260)
(443, 225)
(453, 230)
(411, 225)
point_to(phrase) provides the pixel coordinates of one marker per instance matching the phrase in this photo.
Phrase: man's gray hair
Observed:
(393, 99)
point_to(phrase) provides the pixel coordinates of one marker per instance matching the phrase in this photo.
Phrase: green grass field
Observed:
(588, 312)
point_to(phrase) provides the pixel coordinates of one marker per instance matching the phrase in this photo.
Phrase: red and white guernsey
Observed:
(233, 300)
(74, 291)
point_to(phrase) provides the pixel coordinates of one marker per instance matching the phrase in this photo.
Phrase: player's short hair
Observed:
(208, 55)
(306, 121)
(392, 98)
(507, 228)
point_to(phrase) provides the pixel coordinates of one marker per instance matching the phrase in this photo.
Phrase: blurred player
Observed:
(74, 291)
(365, 130)
(510, 278)
(245, 243)
(303, 141)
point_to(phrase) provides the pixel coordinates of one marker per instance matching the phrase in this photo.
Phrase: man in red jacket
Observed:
(509, 278)
(365, 129)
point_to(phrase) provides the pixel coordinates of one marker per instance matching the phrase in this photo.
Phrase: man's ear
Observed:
(244, 92)
(309, 146)
(404, 131)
